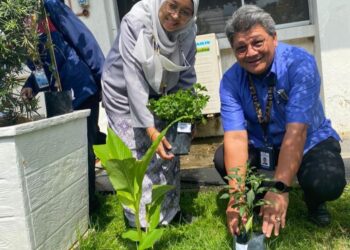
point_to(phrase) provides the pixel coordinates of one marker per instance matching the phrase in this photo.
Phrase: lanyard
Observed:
(263, 121)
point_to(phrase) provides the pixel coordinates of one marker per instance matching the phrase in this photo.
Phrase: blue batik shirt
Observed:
(295, 74)
(78, 55)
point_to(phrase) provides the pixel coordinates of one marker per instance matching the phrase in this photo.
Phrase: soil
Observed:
(202, 152)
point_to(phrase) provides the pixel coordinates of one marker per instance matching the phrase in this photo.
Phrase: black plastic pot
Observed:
(242, 242)
(6, 120)
(180, 142)
(58, 103)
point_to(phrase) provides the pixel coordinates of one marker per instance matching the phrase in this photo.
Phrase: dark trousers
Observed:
(92, 132)
(321, 174)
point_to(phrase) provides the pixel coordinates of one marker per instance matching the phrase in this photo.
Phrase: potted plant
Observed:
(18, 42)
(126, 174)
(248, 201)
(190, 103)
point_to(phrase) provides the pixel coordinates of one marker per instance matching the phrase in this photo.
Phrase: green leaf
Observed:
(102, 153)
(150, 239)
(250, 198)
(158, 193)
(225, 196)
(121, 173)
(132, 235)
(249, 225)
(117, 148)
(242, 210)
(127, 199)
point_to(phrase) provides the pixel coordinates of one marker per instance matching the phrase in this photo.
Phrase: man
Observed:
(270, 108)
(79, 63)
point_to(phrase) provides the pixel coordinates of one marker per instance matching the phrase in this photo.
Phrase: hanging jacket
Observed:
(78, 55)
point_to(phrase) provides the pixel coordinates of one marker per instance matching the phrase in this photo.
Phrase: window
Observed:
(212, 15)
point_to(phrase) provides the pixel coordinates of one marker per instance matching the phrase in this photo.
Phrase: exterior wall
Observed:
(333, 50)
(102, 21)
(328, 38)
(44, 183)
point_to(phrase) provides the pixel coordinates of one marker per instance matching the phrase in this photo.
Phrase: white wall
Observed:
(102, 21)
(333, 50)
(328, 39)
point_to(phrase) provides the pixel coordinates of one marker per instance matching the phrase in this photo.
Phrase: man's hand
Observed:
(274, 214)
(164, 145)
(27, 93)
(232, 218)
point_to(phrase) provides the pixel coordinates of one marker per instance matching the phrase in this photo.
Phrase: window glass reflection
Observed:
(212, 15)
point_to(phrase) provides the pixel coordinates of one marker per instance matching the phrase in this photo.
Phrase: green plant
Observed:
(126, 175)
(189, 102)
(18, 43)
(248, 198)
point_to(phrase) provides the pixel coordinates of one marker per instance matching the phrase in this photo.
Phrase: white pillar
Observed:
(332, 43)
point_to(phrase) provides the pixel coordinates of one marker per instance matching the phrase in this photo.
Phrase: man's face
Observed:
(254, 49)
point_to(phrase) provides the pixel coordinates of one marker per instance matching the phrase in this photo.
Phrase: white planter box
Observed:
(44, 183)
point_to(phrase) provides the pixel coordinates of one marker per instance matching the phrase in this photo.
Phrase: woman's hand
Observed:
(163, 146)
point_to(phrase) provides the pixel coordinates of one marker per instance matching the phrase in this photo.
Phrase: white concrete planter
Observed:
(44, 183)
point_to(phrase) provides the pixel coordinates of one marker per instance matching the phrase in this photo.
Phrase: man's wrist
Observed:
(281, 187)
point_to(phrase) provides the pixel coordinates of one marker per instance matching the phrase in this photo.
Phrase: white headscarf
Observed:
(169, 43)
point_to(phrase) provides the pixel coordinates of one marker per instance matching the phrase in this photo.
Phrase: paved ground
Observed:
(197, 168)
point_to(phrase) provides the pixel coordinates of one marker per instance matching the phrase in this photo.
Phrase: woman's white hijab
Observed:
(169, 43)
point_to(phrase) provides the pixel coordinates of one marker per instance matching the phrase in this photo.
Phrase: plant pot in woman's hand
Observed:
(179, 140)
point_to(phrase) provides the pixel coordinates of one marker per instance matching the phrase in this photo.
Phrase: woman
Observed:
(153, 54)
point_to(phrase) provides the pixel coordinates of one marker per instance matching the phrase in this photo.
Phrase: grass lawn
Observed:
(209, 230)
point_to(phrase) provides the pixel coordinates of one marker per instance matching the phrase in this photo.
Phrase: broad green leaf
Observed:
(249, 225)
(121, 174)
(148, 240)
(131, 234)
(126, 199)
(102, 153)
(117, 148)
(242, 210)
(225, 196)
(250, 198)
(158, 193)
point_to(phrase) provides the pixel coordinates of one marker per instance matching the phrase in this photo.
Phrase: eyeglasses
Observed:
(173, 8)
(256, 45)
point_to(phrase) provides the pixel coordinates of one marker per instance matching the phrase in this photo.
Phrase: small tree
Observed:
(248, 197)
(18, 43)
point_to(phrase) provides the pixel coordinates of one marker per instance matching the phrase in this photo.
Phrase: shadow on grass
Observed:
(221, 211)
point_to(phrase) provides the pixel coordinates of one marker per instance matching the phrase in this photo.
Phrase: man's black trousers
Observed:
(321, 174)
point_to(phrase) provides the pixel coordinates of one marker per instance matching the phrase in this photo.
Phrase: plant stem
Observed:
(137, 218)
(51, 51)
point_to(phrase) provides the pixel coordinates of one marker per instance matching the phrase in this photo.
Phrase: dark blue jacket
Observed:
(78, 55)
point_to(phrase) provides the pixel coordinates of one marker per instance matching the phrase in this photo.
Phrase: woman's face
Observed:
(175, 14)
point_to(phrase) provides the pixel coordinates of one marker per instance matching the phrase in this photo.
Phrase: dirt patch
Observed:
(202, 152)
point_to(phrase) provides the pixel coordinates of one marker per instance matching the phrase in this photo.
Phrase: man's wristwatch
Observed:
(281, 187)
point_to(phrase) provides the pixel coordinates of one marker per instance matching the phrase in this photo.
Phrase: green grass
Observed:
(209, 230)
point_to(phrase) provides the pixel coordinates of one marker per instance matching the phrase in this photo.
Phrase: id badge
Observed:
(267, 158)
(40, 78)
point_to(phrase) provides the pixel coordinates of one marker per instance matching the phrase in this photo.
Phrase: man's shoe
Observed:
(320, 215)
